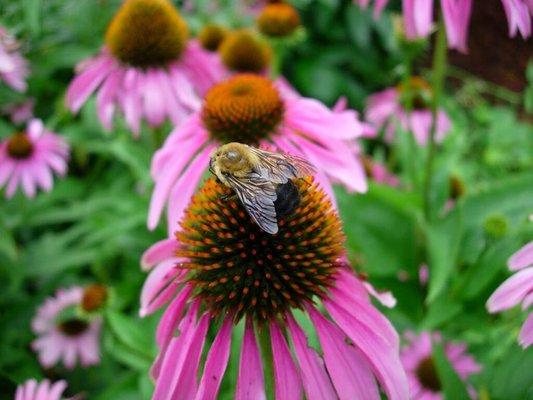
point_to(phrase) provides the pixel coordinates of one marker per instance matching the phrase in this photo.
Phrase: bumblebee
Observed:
(261, 180)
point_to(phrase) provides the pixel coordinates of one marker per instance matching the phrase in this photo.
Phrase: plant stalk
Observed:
(438, 77)
(268, 361)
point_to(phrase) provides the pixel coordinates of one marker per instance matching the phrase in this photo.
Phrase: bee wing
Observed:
(279, 168)
(257, 195)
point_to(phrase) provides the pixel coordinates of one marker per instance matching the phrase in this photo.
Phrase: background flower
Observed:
(28, 158)
(517, 289)
(417, 358)
(45, 390)
(63, 336)
(13, 67)
(155, 75)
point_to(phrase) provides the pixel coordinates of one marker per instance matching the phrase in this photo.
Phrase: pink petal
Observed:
(457, 19)
(521, 259)
(177, 166)
(315, 379)
(382, 357)
(185, 187)
(216, 363)
(187, 385)
(526, 333)
(105, 98)
(286, 377)
(172, 316)
(160, 286)
(158, 252)
(86, 83)
(130, 99)
(176, 356)
(153, 100)
(350, 374)
(57, 389)
(314, 119)
(250, 384)
(512, 291)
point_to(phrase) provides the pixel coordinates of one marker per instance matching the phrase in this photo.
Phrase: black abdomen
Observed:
(287, 199)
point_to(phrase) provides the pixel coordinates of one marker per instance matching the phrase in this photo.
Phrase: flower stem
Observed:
(438, 77)
(268, 362)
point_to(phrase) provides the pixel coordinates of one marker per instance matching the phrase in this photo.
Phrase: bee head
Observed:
(231, 157)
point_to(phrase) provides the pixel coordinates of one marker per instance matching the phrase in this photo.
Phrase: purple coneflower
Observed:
(45, 390)
(418, 19)
(424, 381)
(28, 158)
(378, 172)
(149, 68)
(13, 67)
(251, 109)
(63, 334)
(222, 272)
(517, 289)
(407, 106)
(278, 20)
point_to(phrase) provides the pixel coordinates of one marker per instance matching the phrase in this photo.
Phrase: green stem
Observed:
(157, 137)
(277, 59)
(268, 361)
(438, 77)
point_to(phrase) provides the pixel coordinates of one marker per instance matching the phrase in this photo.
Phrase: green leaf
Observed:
(440, 311)
(443, 239)
(131, 332)
(452, 385)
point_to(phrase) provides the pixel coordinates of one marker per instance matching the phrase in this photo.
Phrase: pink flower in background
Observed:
(387, 110)
(423, 274)
(152, 77)
(457, 15)
(13, 67)
(27, 159)
(45, 390)
(417, 359)
(378, 6)
(517, 289)
(262, 278)
(418, 19)
(62, 335)
(251, 109)
(519, 14)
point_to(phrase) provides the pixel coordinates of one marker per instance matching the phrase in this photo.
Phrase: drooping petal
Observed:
(526, 333)
(350, 374)
(522, 258)
(511, 292)
(382, 357)
(286, 377)
(158, 252)
(216, 363)
(315, 379)
(250, 383)
(86, 83)
(457, 19)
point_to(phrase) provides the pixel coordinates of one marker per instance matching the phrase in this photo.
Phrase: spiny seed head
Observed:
(211, 36)
(73, 326)
(245, 109)
(19, 146)
(416, 93)
(147, 33)
(239, 269)
(94, 297)
(428, 376)
(278, 20)
(242, 51)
